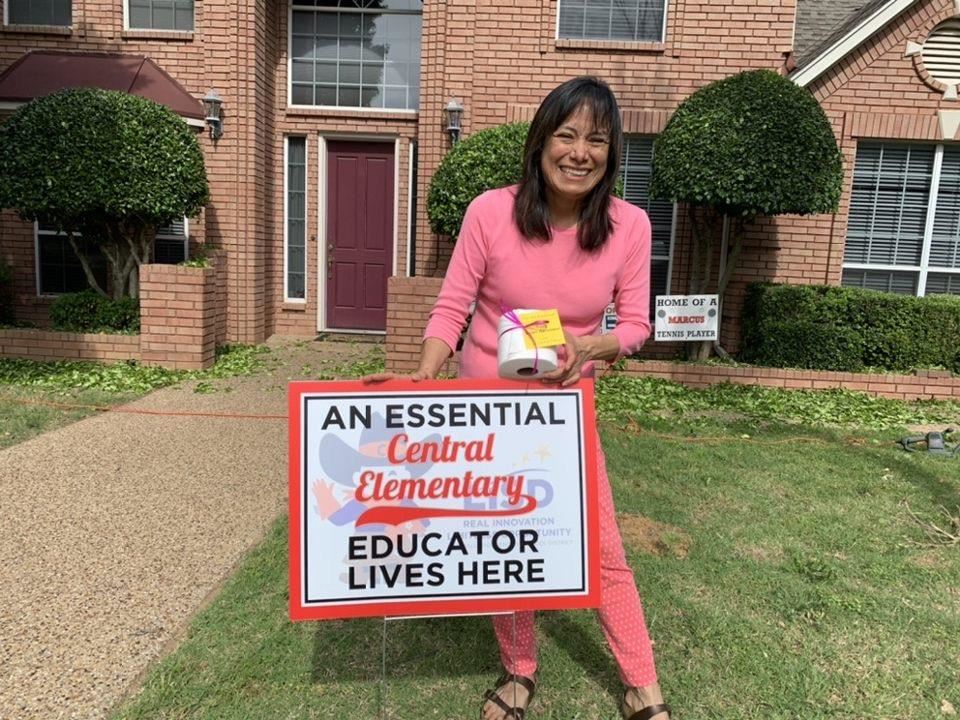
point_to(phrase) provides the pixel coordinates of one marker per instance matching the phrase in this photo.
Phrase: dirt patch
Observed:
(928, 559)
(761, 554)
(652, 537)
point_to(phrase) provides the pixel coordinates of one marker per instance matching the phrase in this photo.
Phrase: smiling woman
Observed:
(558, 240)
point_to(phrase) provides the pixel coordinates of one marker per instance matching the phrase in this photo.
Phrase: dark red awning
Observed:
(40, 73)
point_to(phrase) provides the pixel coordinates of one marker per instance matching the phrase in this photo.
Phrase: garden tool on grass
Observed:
(936, 443)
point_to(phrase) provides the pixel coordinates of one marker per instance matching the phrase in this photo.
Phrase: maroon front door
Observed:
(360, 228)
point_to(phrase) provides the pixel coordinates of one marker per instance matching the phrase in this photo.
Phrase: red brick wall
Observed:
(178, 313)
(52, 345)
(934, 385)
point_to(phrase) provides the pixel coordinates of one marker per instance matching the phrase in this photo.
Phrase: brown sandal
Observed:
(646, 713)
(510, 712)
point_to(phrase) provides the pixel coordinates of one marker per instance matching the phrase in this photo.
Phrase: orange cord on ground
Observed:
(632, 427)
(138, 411)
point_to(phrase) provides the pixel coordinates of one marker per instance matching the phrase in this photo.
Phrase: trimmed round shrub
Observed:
(89, 311)
(106, 164)
(489, 159)
(751, 144)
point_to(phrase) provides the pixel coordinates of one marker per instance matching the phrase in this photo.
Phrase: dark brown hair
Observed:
(530, 208)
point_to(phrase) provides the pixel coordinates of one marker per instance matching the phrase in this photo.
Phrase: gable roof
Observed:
(864, 19)
(817, 21)
(40, 73)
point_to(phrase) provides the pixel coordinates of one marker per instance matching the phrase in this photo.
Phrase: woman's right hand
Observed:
(433, 354)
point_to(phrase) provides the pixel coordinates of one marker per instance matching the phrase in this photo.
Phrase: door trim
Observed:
(323, 157)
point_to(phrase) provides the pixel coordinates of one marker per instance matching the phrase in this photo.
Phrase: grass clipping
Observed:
(947, 532)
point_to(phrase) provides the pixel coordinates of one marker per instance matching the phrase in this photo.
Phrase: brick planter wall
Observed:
(178, 316)
(54, 345)
(409, 301)
(924, 385)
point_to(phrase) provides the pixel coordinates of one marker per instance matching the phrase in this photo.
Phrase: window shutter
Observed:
(943, 284)
(637, 168)
(904, 283)
(888, 207)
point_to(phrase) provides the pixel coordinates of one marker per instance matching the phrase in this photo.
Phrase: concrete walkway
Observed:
(116, 529)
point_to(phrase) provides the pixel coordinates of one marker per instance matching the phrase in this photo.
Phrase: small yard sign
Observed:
(441, 497)
(687, 318)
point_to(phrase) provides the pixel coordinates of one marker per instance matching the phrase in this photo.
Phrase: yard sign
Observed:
(441, 497)
(687, 318)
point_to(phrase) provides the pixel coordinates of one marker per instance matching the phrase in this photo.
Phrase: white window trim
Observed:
(923, 269)
(408, 269)
(322, 154)
(126, 24)
(286, 216)
(412, 112)
(6, 18)
(663, 29)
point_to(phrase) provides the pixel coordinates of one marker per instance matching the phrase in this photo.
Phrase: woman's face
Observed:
(574, 158)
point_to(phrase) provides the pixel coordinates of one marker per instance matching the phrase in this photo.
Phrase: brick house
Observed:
(333, 124)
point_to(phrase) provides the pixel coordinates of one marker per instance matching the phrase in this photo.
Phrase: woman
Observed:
(558, 240)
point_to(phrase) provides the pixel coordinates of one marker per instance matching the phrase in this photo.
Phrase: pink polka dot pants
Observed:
(620, 612)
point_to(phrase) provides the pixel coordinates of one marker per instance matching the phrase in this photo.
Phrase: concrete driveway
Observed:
(116, 529)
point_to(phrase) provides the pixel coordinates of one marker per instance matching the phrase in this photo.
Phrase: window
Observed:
(295, 246)
(636, 166)
(39, 12)
(171, 245)
(637, 20)
(355, 53)
(59, 269)
(903, 231)
(161, 15)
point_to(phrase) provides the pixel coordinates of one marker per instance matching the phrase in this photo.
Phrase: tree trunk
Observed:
(119, 257)
(139, 240)
(736, 233)
(85, 264)
(704, 231)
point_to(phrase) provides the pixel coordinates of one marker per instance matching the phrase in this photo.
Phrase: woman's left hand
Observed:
(576, 351)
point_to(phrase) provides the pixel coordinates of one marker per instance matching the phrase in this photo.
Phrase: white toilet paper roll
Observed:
(514, 360)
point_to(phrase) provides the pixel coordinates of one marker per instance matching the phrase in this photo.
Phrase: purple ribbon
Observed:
(518, 324)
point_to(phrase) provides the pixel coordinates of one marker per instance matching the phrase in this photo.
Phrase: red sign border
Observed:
(590, 599)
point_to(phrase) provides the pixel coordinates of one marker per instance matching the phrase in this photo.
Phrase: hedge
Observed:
(488, 159)
(822, 327)
(89, 311)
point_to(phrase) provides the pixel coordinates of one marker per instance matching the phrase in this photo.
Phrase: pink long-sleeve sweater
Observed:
(494, 264)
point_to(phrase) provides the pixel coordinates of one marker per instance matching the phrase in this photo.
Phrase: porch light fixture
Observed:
(212, 103)
(454, 114)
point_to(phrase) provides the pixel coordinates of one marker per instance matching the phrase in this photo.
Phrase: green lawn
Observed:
(780, 575)
(39, 396)
(27, 411)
